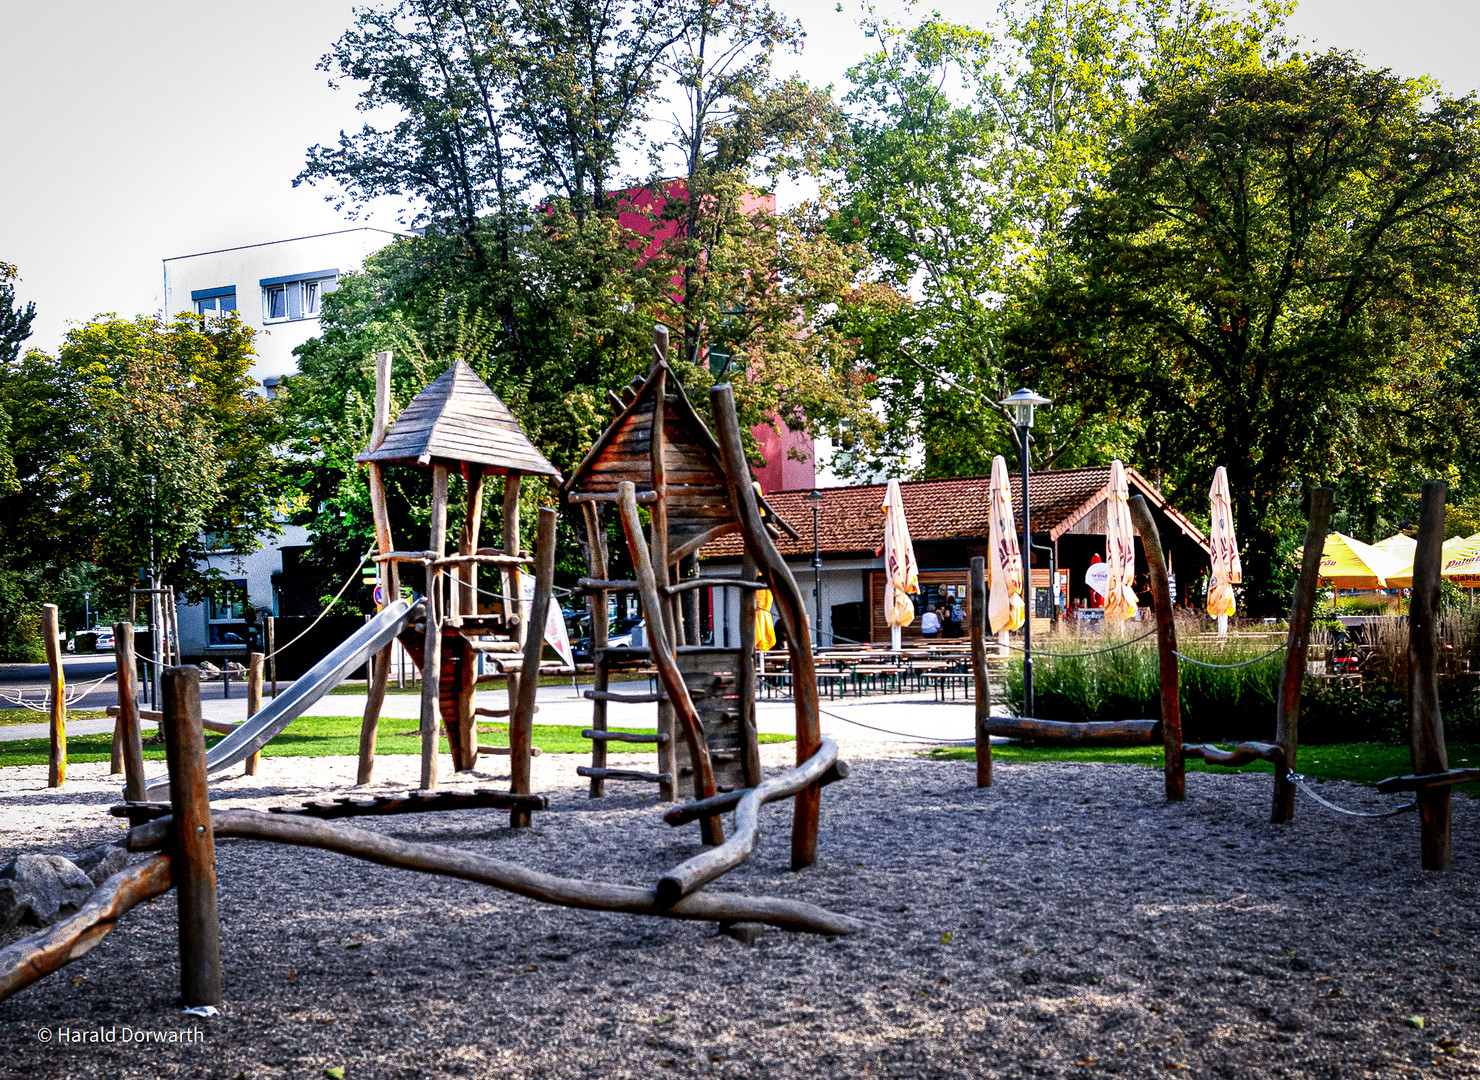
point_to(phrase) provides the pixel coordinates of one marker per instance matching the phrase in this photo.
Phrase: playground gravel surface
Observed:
(1066, 922)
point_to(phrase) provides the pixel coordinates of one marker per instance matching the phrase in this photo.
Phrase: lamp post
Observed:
(815, 498)
(1022, 404)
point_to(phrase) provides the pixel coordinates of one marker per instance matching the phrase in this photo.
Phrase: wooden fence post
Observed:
(194, 848)
(56, 773)
(1287, 715)
(254, 702)
(1425, 720)
(1166, 644)
(521, 719)
(127, 739)
(979, 670)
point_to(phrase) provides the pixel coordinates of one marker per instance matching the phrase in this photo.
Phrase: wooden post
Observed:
(254, 702)
(126, 736)
(599, 565)
(979, 670)
(57, 765)
(745, 673)
(431, 663)
(1425, 720)
(194, 848)
(521, 720)
(272, 652)
(388, 577)
(1166, 645)
(789, 603)
(1287, 715)
(467, 584)
(513, 583)
(693, 631)
(665, 659)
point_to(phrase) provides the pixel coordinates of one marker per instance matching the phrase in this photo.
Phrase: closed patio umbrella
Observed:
(1227, 569)
(901, 571)
(1005, 607)
(1120, 549)
(765, 621)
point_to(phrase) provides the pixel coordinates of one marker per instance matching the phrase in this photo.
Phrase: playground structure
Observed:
(1431, 779)
(184, 831)
(659, 444)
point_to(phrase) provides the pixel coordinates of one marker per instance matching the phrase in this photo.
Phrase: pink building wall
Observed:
(781, 470)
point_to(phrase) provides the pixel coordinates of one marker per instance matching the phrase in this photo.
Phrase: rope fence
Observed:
(1299, 781)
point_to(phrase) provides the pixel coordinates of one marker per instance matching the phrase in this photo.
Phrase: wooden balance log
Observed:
(1070, 733)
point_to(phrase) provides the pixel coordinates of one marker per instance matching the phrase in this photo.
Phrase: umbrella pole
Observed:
(895, 633)
(1222, 625)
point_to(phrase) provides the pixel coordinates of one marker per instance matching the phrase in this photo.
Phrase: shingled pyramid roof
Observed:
(459, 419)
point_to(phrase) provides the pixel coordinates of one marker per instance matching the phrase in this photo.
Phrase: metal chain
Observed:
(1227, 667)
(1299, 781)
(899, 734)
(1073, 655)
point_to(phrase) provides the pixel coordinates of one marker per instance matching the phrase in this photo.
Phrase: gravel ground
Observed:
(1066, 922)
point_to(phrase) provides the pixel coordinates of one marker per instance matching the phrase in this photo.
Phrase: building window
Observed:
(214, 301)
(226, 614)
(295, 296)
(275, 302)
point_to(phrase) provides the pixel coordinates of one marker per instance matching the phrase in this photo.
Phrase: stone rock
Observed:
(100, 863)
(37, 890)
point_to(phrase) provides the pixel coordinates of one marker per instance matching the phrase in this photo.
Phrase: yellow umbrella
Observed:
(1120, 549)
(1228, 571)
(1347, 563)
(1459, 564)
(1005, 607)
(765, 622)
(900, 567)
(1401, 546)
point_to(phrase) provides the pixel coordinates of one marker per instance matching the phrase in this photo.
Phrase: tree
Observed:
(141, 444)
(969, 149)
(1273, 277)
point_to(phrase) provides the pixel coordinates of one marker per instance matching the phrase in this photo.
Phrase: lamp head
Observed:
(1022, 404)
(815, 498)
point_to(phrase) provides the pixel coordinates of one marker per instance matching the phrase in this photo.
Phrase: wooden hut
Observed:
(658, 443)
(456, 423)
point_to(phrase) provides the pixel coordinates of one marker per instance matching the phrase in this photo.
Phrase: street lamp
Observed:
(815, 498)
(1022, 405)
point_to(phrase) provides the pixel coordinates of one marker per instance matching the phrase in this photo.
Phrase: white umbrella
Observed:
(1120, 549)
(900, 568)
(1005, 607)
(1227, 570)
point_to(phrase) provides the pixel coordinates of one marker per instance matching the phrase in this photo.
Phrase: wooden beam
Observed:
(1425, 718)
(23, 962)
(703, 868)
(254, 703)
(446, 861)
(666, 661)
(467, 583)
(1244, 753)
(126, 732)
(521, 721)
(193, 843)
(56, 772)
(1067, 733)
(789, 602)
(1292, 677)
(431, 656)
(979, 670)
(1166, 645)
(598, 567)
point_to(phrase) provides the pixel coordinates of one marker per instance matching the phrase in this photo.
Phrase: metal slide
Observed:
(282, 710)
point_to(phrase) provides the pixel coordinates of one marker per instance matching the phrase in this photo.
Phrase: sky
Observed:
(133, 132)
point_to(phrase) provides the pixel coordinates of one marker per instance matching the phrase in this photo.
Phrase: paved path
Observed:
(884, 718)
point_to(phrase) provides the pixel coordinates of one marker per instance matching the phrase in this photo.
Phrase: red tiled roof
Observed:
(852, 518)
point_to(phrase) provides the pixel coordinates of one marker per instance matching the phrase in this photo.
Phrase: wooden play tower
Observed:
(458, 423)
(658, 454)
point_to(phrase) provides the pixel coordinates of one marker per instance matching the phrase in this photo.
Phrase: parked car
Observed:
(618, 635)
(103, 641)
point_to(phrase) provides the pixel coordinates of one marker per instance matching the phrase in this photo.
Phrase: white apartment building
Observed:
(274, 287)
(277, 288)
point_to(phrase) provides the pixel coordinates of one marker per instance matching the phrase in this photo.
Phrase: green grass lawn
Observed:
(26, 716)
(328, 736)
(1360, 763)
(413, 686)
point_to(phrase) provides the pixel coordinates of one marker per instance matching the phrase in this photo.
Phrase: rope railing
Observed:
(1227, 667)
(1075, 655)
(1299, 781)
